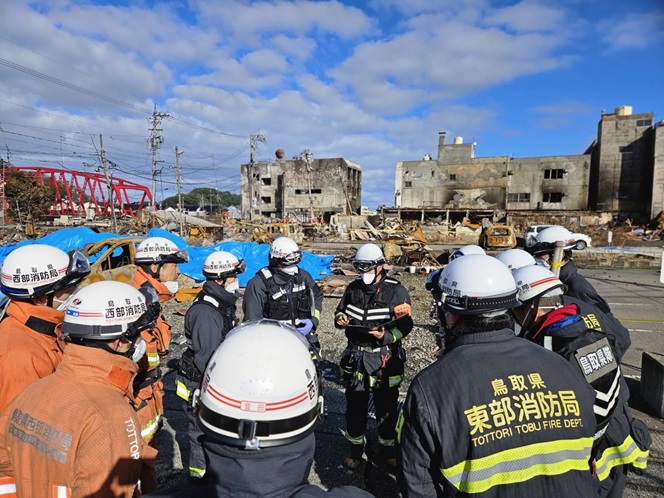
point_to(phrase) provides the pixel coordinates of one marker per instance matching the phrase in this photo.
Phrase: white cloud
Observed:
(634, 31)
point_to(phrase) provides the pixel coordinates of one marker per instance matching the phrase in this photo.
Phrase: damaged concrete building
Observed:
(620, 172)
(301, 188)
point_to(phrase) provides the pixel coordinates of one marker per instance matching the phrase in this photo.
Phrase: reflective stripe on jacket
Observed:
(75, 429)
(497, 415)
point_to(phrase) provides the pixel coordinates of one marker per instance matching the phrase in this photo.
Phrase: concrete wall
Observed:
(528, 176)
(624, 163)
(282, 188)
(657, 204)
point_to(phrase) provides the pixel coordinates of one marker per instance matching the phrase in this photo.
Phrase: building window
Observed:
(553, 197)
(453, 178)
(643, 122)
(316, 191)
(553, 174)
(304, 191)
(266, 181)
(519, 197)
(626, 149)
(407, 184)
(266, 200)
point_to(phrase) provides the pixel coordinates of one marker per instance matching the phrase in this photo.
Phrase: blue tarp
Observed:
(254, 254)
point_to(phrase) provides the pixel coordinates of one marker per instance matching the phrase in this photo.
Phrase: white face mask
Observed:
(368, 278)
(139, 350)
(290, 270)
(172, 286)
(65, 303)
(233, 287)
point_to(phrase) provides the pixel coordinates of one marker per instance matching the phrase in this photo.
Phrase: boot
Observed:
(388, 455)
(354, 460)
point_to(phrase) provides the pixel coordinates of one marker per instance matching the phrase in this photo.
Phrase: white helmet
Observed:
(285, 250)
(35, 270)
(477, 284)
(260, 387)
(368, 257)
(545, 241)
(533, 281)
(222, 264)
(109, 310)
(466, 251)
(515, 258)
(159, 250)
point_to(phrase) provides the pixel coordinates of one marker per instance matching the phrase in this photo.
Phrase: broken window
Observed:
(407, 184)
(266, 200)
(553, 174)
(266, 181)
(519, 197)
(552, 197)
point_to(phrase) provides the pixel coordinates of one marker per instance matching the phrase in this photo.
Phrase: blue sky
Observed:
(373, 81)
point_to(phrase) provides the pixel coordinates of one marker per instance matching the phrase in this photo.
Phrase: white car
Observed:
(582, 240)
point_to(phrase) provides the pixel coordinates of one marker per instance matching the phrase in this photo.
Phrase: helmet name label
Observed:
(252, 406)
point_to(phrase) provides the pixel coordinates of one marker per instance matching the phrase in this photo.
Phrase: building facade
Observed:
(622, 171)
(297, 188)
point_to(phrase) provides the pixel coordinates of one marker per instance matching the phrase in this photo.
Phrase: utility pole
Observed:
(109, 183)
(177, 176)
(253, 203)
(154, 142)
(308, 159)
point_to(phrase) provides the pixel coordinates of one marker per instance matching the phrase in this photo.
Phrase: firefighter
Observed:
(258, 406)
(38, 280)
(376, 314)
(156, 260)
(587, 340)
(495, 415)
(72, 433)
(542, 249)
(283, 291)
(515, 258)
(206, 323)
(433, 287)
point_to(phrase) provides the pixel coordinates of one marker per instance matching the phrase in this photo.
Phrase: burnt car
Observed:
(497, 237)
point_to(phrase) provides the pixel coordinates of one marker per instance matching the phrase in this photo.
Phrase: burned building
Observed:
(622, 171)
(301, 188)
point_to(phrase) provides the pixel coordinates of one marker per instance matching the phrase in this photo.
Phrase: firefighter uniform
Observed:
(72, 433)
(30, 347)
(583, 335)
(371, 365)
(579, 288)
(497, 415)
(274, 294)
(277, 472)
(148, 387)
(206, 324)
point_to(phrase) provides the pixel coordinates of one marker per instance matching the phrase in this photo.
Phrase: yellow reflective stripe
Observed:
(395, 380)
(153, 359)
(625, 454)
(193, 471)
(150, 429)
(354, 440)
(520, 464)
(181, 390)
(399, 425)
(396, 333)
(317, 314)
(385, 442)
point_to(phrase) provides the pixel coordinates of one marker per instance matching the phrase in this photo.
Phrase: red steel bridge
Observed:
(78, 193)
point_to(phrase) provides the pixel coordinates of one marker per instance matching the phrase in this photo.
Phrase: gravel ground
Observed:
(327, 471)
